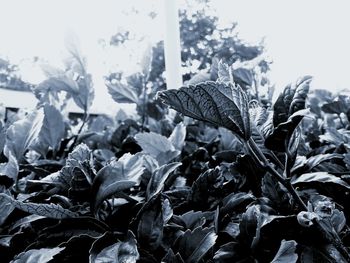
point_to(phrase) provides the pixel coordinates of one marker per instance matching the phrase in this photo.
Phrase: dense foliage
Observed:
(226, 177)
(254, 184)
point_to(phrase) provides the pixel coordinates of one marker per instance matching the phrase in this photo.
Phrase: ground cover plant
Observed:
(210, 172)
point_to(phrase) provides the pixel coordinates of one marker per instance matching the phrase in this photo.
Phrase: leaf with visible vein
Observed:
(219, 103)
(48, 210)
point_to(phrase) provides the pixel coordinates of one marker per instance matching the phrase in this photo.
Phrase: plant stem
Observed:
(85, 118)
(257, 153)
(260, 157)
(144, 106)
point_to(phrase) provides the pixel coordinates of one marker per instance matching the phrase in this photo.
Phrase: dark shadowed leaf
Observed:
(227, 253)
(193, 245)
(279, 139)
(42, 255)
(6, 209)
(243, 76)
(158, 178)
(53, 128)
(335, 107)
(170, 257)
(193, 219)
(47, 210)
(152, 218)
(291, 100)
(120, 252)
(221, 104)
(116, 177)
(286, 252)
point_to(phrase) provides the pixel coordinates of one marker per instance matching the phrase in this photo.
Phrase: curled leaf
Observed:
(21, 134)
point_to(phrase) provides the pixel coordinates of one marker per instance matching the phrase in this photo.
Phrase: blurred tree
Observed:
(10, 78)
(204, 43)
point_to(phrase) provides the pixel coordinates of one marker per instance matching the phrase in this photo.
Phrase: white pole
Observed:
(172, 46)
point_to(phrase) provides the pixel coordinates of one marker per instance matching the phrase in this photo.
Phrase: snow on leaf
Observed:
(286, 252)
(47, 210)
(221, 104)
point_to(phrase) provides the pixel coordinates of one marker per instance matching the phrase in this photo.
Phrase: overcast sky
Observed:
(301, 37)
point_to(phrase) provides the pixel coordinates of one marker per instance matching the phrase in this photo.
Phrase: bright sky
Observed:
(302, 37)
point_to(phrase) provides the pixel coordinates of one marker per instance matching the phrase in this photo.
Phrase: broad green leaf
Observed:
(52, 131)
(47, 210)
(116, 177)
(286, 252)
(291, 100)
(122, 93)
(221, 104)
(279, 138)
(120, 252)
(80, 158)
(48, 90)
(300, 94)
(177, 137)
(199, 78)
(21, 134)
(42, 255)
(154, 143)
(158, 146)
(193, 245)
(319, 177)
(158, 178)
(243, 76)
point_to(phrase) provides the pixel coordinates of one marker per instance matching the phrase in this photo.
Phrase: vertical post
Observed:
(172, 46)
